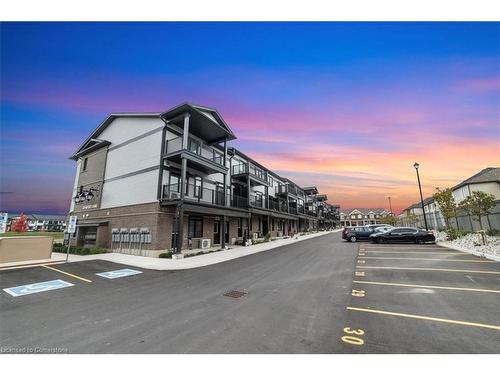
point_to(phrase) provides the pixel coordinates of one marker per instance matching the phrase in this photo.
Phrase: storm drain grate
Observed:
(234, 294)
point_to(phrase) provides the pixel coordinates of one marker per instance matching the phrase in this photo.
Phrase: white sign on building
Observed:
(72, 224)
(3, 222)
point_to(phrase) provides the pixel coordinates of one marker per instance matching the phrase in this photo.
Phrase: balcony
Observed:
(277, 206)
(287, 189)
(258, 201)
(199, 156)
(258, 176)
(311, 213)
(239, 202)
(194, 194)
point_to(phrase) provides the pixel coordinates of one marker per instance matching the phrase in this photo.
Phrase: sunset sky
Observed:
(348, 107)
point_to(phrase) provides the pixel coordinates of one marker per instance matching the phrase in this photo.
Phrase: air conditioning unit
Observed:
(205, 243)
(174, 195)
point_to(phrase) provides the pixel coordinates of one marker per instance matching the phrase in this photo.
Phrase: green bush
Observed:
(493, 232)
(453, 234)
(267, 238)
(168, 254)
(60, 248)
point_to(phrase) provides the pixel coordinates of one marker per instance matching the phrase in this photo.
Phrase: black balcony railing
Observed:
(239, 202)
(239, 169)
(287, 189)
(252, 169)
(257, 201)
(194, 193)
(206, 152)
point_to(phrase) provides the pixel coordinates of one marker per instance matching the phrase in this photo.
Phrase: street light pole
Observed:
(416, 165)
(390, 206)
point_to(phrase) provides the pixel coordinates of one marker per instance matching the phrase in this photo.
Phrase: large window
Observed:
(195, 227)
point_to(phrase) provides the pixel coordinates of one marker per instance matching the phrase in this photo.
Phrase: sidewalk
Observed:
(191, 262)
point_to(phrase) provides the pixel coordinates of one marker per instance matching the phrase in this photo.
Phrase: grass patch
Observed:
(55, 235)
(168, 255)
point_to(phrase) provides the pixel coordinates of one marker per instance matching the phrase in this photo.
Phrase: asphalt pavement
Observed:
(321, 295)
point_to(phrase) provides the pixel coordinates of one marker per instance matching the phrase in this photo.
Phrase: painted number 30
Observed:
(354, 338)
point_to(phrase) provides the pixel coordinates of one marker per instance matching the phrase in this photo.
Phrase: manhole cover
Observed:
(234, 294)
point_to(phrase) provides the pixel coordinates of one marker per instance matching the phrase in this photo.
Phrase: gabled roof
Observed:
(490, 174)
(89, 144)
(205, 121)
(365, 211)
(310, 189)
(414, 205)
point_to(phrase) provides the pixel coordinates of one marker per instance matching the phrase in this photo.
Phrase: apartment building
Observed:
(150, 182)
(362, 216)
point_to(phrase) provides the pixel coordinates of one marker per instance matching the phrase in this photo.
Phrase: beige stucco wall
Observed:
(16, 249)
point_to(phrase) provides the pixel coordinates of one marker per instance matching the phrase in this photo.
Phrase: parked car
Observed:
(357, 233)
(404, 234)
(381, 230)
(376, 226)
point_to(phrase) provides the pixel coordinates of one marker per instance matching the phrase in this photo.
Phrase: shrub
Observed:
(493, 232)
(168, 254)
(60, 248)
(453, 234)
(267, 238)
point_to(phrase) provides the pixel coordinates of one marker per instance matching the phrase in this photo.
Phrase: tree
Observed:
(444, 199)
(478, 204)
(21, 224)
(391, 220)
(412, 219)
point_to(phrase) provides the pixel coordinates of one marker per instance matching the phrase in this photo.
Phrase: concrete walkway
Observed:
(187, 263)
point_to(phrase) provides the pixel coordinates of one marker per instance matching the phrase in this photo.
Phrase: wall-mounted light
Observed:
(84, 195)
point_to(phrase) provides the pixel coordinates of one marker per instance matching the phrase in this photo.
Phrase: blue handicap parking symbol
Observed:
(118, 273)
(37, 287)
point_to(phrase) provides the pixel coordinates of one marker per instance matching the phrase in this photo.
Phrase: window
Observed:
(195, 227)
(174, 182)
(198, 187)
(271, 181)
(85, 161)
(194, 146)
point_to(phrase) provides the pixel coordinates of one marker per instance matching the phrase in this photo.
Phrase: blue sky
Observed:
(364, 99)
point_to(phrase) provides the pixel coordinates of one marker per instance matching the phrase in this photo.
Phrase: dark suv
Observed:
(357, 233)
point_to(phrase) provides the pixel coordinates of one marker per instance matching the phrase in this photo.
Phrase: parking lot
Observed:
(408, 298)
(323, 295)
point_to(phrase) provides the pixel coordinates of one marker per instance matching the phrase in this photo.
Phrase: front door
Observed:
(216, 232)
(227, 232)
(265, 226)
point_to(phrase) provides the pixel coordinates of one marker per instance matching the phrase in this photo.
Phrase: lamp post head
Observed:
(416, 165)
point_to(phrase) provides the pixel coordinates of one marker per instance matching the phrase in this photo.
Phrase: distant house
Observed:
(487, 180)
(40, 222)
(362, 216)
